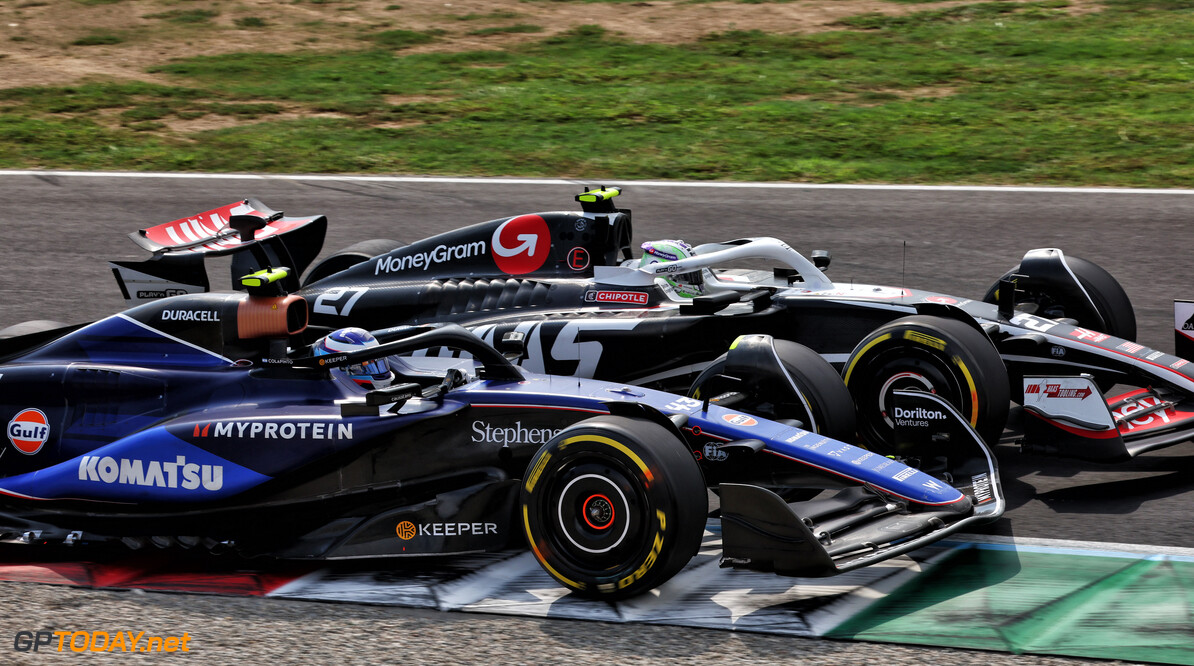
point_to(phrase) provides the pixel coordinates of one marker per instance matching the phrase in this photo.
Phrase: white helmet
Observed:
(687, 285)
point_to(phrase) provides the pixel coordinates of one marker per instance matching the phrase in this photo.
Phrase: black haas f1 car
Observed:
(1052, 329)
(202, 420)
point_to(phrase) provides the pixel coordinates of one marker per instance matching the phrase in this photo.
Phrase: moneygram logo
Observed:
(521, 244)
(440, 254)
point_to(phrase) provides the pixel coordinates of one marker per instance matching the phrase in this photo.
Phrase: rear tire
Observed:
(1109, 298)
(349, 257)
(614, 506)
(830, 409)
(943, 356)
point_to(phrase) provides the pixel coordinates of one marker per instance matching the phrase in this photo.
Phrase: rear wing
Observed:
(256, 236)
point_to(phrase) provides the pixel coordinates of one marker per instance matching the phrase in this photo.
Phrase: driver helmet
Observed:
(373, 374)
(687, 285)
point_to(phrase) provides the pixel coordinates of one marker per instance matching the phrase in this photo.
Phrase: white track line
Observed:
(1098, 548)
(588, 181)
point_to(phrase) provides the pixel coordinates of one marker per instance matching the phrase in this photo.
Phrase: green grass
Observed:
(400, 39)
(98, 39)
(984, 93)
(250, 22)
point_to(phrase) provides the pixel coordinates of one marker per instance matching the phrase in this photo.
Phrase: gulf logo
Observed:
(739, 420)
(28, 431)
(521, 244)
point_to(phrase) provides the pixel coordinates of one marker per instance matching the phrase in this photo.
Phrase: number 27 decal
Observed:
(338, 302)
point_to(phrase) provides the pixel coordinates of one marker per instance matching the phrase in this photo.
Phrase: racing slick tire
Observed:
(350, 256)
(613, 506)
(827, 405)
(944, 356)
(1105, 291)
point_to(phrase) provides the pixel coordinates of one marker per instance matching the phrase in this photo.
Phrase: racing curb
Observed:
(1040, 596)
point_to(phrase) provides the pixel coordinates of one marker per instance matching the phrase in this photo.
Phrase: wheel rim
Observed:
(900, 381)
(897, 369)
(596, 504)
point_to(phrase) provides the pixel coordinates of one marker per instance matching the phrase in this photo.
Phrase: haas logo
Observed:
(521, 244)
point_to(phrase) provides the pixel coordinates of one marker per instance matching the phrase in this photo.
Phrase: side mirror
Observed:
(821, 259)
(513, 345)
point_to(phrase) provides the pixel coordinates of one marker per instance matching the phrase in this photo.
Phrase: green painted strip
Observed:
(1137, 609)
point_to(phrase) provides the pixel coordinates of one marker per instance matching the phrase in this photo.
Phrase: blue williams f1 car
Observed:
(202, 421)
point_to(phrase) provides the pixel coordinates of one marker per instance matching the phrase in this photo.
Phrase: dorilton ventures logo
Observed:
(918, 416)
(918, 413)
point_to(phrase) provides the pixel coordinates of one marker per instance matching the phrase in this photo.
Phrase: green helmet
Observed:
(687, 285)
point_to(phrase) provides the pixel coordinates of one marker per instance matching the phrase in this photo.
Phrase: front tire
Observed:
(943, 356)
(824, 405)
(613, 506)
(1109, 298)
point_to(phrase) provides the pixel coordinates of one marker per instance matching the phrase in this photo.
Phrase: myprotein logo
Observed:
(521, 244)
(515, 434)
(273, 430)
(153, 473)
(621, 297)
(407, 530)
(28, 431)
(190, 315)
(440, 254)
(917, 417)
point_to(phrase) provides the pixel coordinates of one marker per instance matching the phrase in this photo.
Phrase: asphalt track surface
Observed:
(57, 231)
